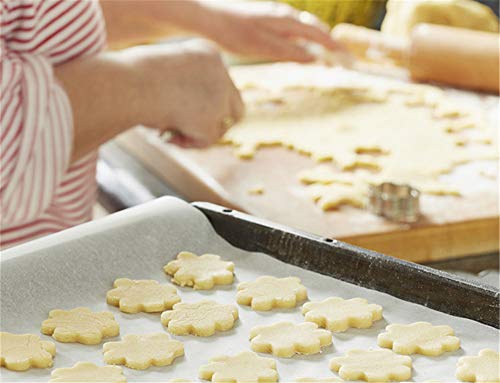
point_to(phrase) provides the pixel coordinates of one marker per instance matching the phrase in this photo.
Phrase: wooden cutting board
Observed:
(450, 226)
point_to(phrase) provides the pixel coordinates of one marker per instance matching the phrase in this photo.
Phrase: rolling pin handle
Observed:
(359, 40)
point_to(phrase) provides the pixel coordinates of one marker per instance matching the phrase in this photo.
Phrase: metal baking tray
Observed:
(415, 283)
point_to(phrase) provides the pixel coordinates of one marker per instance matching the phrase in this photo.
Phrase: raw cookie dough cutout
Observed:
(337, 314)
(89, 373)
(80, 325)
(372, 366)
(202, 318)
(419, 338)
(484, 368)
(20, 352)
(201, 273)
(133, 296)
(266, 293)
(143, 351)
(285, 339)
(246, 366)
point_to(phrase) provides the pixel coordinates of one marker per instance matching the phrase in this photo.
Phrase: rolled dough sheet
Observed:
(78, 266)
(366, 130)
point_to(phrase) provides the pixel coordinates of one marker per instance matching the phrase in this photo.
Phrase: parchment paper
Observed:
(77, 267)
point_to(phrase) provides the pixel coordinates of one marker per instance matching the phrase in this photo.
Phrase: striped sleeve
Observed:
(37, 180)
(36, 136)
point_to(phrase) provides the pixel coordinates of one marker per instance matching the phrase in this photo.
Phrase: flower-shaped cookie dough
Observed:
(372, 366)
(142, 295)
(286, 339)
(337, 314)
(245, 367)
(143, 351)
(266, 293)
(202, 272)
(202, 318)
(80, 325)
(22, 352)
(419, 338)
(484, 368)
(88, 372)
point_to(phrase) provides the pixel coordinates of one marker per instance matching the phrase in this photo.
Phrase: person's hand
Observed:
(267, 30)
(187, 90)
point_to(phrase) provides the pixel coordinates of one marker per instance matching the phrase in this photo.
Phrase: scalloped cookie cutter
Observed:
(399, 203)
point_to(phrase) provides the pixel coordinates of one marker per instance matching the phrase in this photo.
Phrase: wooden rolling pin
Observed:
(453, 56)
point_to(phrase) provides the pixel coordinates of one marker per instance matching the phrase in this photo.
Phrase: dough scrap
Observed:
(337, 314)
(143, 351)
(256, 190)
(285, 339)
(402, 16)
(202, 318)
(20, 352)
(372, 366)
(330, 197)
(484, 368)
(316, 380)
(88, 372)
(133, 296)
(245, 367)
(80, 325)
(331, 115)
(202, 272)
(419, 338)
(266, 293)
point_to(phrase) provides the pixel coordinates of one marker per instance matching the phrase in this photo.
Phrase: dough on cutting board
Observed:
(202, 272)
(329, 197)
(372, 366)
(285, 339)
(80, 325)
(20, 352)
(246, 366)
(402, 16)
(133, 296)
(143, 351)
(202, 318)
(419, 338)
(89, 373)
(337, 314)
(365, 128)
(266, 293)
(331, 189)
(484, 368)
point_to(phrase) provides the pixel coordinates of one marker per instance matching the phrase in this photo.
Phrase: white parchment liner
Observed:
(77, 267)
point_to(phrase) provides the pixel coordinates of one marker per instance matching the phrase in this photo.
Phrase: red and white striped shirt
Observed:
(41, 192)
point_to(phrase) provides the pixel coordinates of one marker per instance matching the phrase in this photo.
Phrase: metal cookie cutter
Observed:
(395, 202)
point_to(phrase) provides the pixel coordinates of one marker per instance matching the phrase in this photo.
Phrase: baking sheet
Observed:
(77, 267)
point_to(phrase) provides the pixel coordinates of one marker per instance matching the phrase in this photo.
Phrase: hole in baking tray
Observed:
(226, 210)
(329, 240)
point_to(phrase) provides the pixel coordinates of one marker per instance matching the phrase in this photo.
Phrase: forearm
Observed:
(130, 22)
(104, 92)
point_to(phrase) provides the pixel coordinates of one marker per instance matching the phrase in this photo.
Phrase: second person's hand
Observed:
(267, 30)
